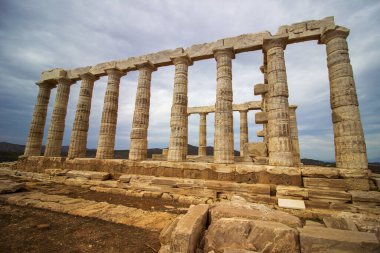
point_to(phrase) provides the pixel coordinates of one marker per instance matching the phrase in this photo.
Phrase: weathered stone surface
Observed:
(291, 203)
(353, 173)
(8, 186)
(189, 230)
(326, 194)
(291, 192)
(340, 223)
(322, 172)
(166, 232)
(252, 211)
(315, 239)
(339, 184)
(261, 118)
(95, 175)
(263, 236)
(366, 196)
(52, 75)
(313, 223)
(255, 149)
(260, 89)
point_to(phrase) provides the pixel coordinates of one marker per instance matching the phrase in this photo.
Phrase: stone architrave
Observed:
(178, 119)
(279, 141)
(57, 123)
(139, 132)
(350, 147)
(107, 133)
(78, 141)
(294, 135)
(202, 134)
(243, 130)
(224, 132)
(37, 126)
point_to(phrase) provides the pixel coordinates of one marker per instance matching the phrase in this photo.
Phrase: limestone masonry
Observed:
(268, 172)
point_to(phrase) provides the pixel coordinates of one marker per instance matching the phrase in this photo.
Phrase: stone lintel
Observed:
(252, 105)
(260, 89)
(52, 75)
(75, 74)
(261, 118)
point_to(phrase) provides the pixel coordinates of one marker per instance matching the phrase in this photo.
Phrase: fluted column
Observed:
(294, 135)
(37, 126)
(107, 133)
(243, 130)
(57, 124)
(78, 141)
(224, 132)
(350, 147)
(139, 132)
(279, 142)
(178, 119)
(202, 134)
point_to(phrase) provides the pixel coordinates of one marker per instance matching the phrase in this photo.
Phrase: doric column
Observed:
(57, 123)
(243, 131)
(139, 132)
(350, 147)
(202, 134)
(78, 141)
(279, 142)
(294, 135)
(178, 117)
(107, 133)
(224, 128)
(37, 126)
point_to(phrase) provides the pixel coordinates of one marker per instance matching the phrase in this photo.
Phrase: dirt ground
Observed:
(27, 229)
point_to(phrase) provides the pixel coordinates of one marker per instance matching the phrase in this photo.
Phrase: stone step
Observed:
(151, 220)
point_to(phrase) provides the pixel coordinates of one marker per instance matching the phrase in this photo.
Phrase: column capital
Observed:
(275, 41)
(243, 111)
(293, 107)
(224, 51)
(181, 58)
(331, 33)
(146, 65)
(204, 114)
(46, 84)
(65, 81)
(88, 76)
(115, 71)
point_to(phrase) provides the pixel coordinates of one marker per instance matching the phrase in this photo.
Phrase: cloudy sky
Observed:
(37, 35)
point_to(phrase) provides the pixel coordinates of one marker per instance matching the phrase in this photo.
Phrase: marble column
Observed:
(78, 141)
(107, 133)
(139, 132)
(294, 135)
(224, 132)
(37, 126)
(178, 118)
(57, 123)
(243, 130)
(279, 141)
(350, 147)
(202, 134)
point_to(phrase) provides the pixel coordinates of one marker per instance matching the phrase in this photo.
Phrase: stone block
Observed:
(257, 149)
(165, 181)
(326, 194)
(338, 184)
(291, 203)
(319, 172)
(260, 89)
(8, 186)
(74, 74)
(311, 223)
(260, 133)
(246, 42)
(315, 239)
(291, 192)
(366, 196)
(126, 178)
(262, 236)
(94, 175)
(189, 230)
(261, 118)
(166, 232)
(52, 75)
(340, 223)
(353, 173)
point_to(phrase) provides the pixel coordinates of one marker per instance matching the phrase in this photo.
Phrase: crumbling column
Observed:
(264, 96)
(224, 132)
(178, 118)
(279, 142)
(139, 132)
(294, 135)
(350, 147)
(37, 126)
(78, 141)
(202, 134)
(243, 130)
(57, 123)
(107, 133)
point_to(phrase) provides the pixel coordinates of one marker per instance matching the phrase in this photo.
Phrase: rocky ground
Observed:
(26, 228)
